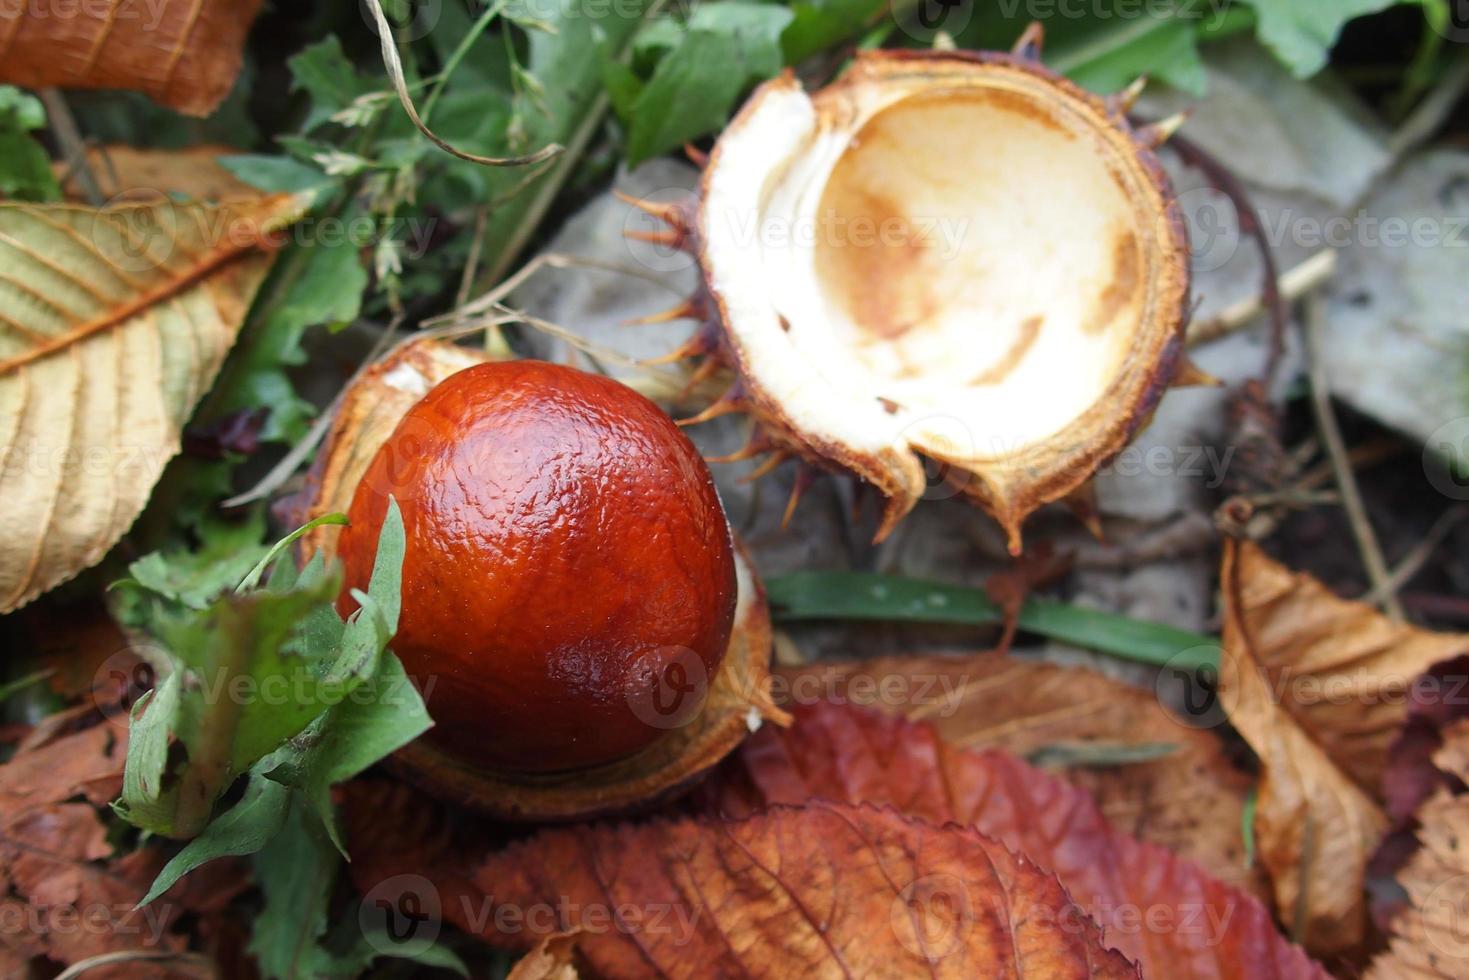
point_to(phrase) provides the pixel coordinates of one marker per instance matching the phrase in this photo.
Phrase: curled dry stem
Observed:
(394, 66)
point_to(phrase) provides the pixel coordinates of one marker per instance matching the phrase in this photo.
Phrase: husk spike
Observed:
(1031, 43)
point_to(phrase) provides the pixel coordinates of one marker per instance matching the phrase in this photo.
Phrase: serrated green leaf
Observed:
(684, 99)
(376, 719)
(278, 174)
(323, 71)
(196, 578)
(243, 829)
(725, 48)
(296, 872)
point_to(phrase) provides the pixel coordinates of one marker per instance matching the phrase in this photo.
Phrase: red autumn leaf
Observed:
(825, 890)
(66, 895)
(1190, 801)
(185, 54)
(1163, 912)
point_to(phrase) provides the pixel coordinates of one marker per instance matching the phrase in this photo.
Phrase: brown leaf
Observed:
(129, 173)
(1430, 938)
(60, 877)
(551, 959)
(185, 54)
(826, 890)
(1156, 909)
(1317, 685)
(1340, 669)
(1190, 801)
(113, 323)
(1438, 699)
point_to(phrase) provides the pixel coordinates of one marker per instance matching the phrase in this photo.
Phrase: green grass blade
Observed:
(870, 596)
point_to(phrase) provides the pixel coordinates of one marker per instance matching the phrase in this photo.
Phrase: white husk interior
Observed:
(1005, 234)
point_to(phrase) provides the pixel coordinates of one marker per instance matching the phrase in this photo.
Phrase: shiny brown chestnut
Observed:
(569, 575)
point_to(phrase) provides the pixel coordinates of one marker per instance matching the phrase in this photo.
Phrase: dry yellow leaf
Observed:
(113, 323)
(1341, 669)
(1318, 686)
(1431, 937)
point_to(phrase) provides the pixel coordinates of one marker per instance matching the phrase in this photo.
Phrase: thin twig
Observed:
(546, 260)
(471, 263)
(1433, 111)
(394, 68)
(301, 451)
(1414, 561)
(1295, 283)
(133, 955)
(551, 186)
(1224, 180)
(73, 147)
(1346, 480)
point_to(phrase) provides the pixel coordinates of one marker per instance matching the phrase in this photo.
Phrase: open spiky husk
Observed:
(1009, 362)
(738, 698)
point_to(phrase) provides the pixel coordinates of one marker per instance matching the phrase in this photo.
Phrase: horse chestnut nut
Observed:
(566, 554)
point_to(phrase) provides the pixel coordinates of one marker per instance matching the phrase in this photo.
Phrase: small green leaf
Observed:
(820, 24)
(195, 578)
(726, 47)
(149, 726)
(1301, 33)
(322, 284)
(244, 828)
(377, 718)
(296, 872)
(277, 174)
(25, 169)
(324, 73)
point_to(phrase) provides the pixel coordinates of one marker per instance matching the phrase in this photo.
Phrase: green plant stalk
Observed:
(208, 773)
(458, 55)
(868, 596)
(550, 185)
